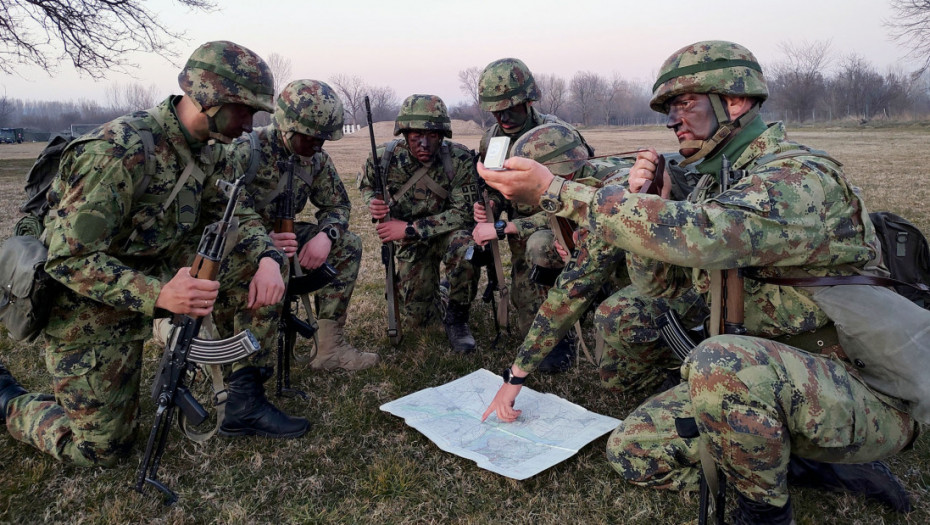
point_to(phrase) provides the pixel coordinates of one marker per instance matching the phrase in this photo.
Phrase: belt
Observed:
(823, 340)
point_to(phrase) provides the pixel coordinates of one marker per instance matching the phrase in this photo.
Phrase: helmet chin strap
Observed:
(726, 128)
(288, 136)
(213, 132)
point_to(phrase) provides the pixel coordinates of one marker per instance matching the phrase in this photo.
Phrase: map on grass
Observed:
(549, 430)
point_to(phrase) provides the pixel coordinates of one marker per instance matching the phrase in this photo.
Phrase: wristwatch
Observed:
(410, 232)
(550, 201)
(511, 379)
(332, 232)
(499, 227)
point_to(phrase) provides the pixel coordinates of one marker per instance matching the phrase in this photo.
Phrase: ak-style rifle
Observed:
(387, 248)
(184, 352)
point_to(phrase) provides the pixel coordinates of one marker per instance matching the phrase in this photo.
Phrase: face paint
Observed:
(231, 121)
(423, 144)
(512, 119)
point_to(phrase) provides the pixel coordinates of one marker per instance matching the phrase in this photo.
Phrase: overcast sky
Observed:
(420, 46)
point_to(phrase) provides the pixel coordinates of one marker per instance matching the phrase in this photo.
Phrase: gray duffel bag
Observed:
(26, 298)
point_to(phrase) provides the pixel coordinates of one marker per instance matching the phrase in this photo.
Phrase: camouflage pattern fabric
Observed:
(505, 83)
(423, 112)
(111, 280)
(443, 223)
(527, 296)
(756, 401)
(310, 107)
(224, 72)
(533, 119)
(332, 301)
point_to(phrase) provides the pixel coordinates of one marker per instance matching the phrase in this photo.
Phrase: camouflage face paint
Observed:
(512, 119)
(423, 144)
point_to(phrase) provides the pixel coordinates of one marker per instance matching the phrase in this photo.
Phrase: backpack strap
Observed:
(388, 154)
(446, 155)
(255, 157)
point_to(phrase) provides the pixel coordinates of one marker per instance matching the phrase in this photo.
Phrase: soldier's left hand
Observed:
(267, 286)
(315, 252)
(392, 230)
(523, 180)
(484, 232)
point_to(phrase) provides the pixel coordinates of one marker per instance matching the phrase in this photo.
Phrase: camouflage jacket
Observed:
(326, 193)
(527, 219)
(789, 216)
(431, 214)
(593, 265)
(112, 277)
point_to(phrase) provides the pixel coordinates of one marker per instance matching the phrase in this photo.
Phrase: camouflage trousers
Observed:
(635, 359)
(418, 275)
(527, 296)
(756, 402)
(91, 419)
(332, 301)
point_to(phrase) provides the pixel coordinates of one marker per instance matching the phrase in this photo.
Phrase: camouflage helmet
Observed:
(310, 107)
(423, 112)
(506, 83)
(712, 66)
(223, 72)
(556, 144)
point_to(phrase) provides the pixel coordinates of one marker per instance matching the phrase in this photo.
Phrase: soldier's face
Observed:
(691, 116)
(233, 120)
(305, 145)
(423, 144)
(511, 119)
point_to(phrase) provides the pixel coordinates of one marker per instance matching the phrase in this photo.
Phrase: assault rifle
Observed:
(387, 248)
(496, 279)
(298, 288)
(184, 352)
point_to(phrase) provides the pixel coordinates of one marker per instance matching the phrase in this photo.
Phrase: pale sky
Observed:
(420, 46)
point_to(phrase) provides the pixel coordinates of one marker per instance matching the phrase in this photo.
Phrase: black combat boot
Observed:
(456, 325)
(249, 413)
(560, 358)
(873, 480)
(749, 512)
(9, 390)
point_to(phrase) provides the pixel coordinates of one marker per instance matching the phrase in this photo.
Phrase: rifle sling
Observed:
(421, 173)
(837, 280)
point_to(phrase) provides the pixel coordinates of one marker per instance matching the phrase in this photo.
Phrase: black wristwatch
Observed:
(410, 232)
(511, 379)
(499, 227)
(332, 232)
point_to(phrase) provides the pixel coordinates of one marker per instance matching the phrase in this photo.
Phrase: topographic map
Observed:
(549, 430)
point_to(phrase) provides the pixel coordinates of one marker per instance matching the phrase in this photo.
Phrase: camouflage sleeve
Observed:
(366, 181)
(95, 206)
(577, 286)
(764, 220)
(328, 195)
(527, 225)
(458, 213)
(657, 279)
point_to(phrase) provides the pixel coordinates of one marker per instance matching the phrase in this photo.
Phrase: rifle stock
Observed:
(387, 249)
(169, 390)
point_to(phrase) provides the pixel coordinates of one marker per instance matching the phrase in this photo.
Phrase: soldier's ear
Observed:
(737, 106)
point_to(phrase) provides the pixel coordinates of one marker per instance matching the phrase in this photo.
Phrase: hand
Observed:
(286, 242)
(392, 230)
(483, 232)
(522, 180)
(503, 404)
(479, 213)
(188, 295)
(563, 251)
(644, 169)
(315, 252)
(378, 209)
(267, 286)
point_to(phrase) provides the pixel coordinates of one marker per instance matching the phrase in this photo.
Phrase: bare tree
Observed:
(468, 83)
(384, 103)
(911, 27)
(553, 93)
(125, 98)
(587, 93)
(6, 110)
(281, 70)
(798, 84)
(352, 89)
(96, 35)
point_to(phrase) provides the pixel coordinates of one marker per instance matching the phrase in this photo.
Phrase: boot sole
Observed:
(252, 432)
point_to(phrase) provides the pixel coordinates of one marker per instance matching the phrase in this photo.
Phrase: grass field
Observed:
(359, 465)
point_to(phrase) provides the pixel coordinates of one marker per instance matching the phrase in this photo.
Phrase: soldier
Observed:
(769, 414)
(431, 182)
(507, 89)
(116, 255)
(307, 114)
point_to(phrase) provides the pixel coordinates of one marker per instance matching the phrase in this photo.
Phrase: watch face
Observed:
(550, 205)
(500, 225)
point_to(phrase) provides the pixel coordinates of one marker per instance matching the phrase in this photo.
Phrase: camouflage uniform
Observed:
(112, 265)
(443, 224)
(793, 403)
(503, 84)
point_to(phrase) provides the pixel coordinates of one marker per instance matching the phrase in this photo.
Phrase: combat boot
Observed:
(333, 351)
(560, 359)
(873, 480)
(749, 512)
(249, 413)
(456, 324)
(10, 389)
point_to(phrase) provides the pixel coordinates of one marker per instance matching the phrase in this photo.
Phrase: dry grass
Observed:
(361, 465)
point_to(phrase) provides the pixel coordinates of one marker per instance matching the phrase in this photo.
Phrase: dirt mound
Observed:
(384, 131)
